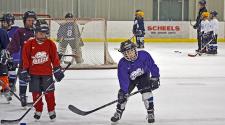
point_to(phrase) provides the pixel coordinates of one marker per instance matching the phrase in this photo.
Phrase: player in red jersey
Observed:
(39, 57)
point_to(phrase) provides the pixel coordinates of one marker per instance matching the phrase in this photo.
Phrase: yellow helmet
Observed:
(140, 13)
(205, 14)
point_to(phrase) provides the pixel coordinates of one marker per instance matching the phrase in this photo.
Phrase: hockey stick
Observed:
(199, 53)
(16, 121)
(83, 113)
(11, 91)
(191, 23)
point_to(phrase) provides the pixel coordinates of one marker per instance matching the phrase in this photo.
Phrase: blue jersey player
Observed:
(7, 23)
(139, 28)
(136, 69)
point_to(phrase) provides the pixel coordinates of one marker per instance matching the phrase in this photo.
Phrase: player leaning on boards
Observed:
(7, 23)
(21, 35)
(4, 57)
(202, 8)
(39, 58)
(69, 33)
(214, 23)
(134, 69)
(139, 28)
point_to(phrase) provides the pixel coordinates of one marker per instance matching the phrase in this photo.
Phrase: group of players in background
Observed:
(30, 50)
(207, 27)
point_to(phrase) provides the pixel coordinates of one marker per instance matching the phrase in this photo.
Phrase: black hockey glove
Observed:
(11, 66)
(25, 76)
(195, 26)
(155, 83)
(58, 74)
(122, 97)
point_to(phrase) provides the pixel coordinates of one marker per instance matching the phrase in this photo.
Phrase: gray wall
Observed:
(109, 9)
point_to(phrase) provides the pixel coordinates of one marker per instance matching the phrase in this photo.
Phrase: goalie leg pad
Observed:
(62, 47)
(78, 54)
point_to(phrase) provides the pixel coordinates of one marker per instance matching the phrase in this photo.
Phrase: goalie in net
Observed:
(68, 33)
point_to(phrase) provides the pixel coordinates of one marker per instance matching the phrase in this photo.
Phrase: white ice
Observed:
(192, 92)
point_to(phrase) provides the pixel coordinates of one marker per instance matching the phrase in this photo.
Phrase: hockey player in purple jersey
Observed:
(136, 69)
(16, 44)
(7, 24)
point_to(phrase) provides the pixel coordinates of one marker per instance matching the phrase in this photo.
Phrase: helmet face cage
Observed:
(41, 26)
(69, 15)
(202, 2)
(8, 18)
(130, 54)
(29, 14)
(213, 13)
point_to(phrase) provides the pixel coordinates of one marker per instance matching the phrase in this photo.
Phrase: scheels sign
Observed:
(167, 29)
(163, 28)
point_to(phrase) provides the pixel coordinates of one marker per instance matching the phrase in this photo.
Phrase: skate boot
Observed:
(37, 115)
(7, 96)
(23, 100)
(142, 45)
(151, 116)
(117, 115)
(52, 115)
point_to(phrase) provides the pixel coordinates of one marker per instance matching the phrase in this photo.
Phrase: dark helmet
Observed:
(202, 2)
(69, 15)
(9, 18)
(128, 45)
(29, 14)
(213, 13)
(41, 26)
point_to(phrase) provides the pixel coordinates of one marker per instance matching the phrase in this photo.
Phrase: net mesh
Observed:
(82, 41)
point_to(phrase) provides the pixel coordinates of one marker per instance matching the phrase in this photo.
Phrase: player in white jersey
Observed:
(206, 32)
(214, 23)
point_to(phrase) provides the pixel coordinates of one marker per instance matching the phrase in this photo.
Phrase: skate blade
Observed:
(53, 120)
(114, 123)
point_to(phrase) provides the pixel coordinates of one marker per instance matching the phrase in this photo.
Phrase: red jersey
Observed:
(39, 59)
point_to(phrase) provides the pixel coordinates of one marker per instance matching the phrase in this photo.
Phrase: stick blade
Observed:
(10, 121)
(77, 111)
(192, 55)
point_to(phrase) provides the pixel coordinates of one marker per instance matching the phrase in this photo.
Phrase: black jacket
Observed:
(198, 19)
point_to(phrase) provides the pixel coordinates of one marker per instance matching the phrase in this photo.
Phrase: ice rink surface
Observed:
(192, 92)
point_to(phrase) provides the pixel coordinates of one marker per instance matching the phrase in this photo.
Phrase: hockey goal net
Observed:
(83, 41)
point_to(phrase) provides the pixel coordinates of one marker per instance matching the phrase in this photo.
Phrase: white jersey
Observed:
(214, 23)
(205, 26)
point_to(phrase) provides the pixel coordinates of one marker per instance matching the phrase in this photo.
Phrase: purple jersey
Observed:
(21, 35)
(128, 71)
(4, 39)
(11, 32)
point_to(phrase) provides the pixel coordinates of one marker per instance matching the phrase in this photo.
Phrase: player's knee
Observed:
(147, 98)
